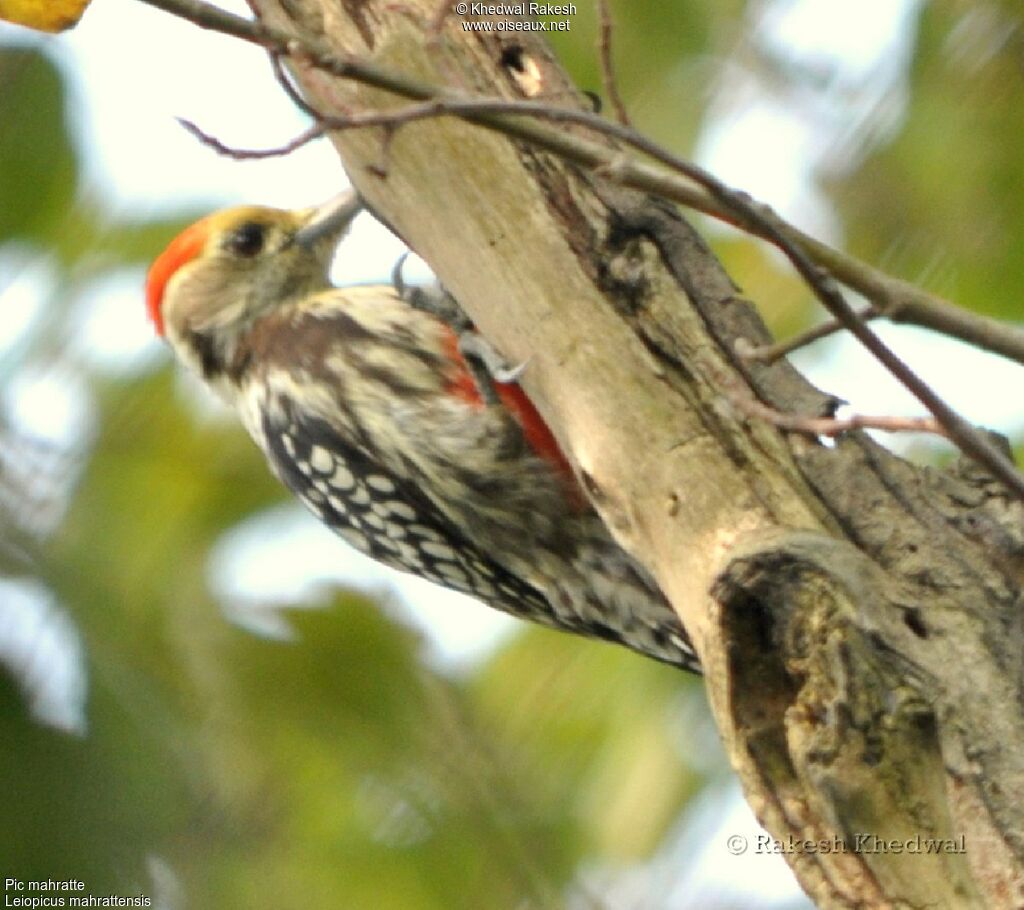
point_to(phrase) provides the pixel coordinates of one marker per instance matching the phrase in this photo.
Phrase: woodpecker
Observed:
(368, 411)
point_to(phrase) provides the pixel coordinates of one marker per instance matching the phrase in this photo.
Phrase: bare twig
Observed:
(831, 426)
(289, 88)
(901, 301)
(518, 119)
(604, 48)
(769, 353)
(314, 132)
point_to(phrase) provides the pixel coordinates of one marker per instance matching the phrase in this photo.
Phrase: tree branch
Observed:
(500, 116)
(604, 49)
(896, 299)
(829, 426)
(858, 617)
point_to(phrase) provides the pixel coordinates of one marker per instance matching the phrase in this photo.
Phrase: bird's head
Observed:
(225, 271)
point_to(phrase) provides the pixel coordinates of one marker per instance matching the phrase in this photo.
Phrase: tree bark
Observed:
(859, 618)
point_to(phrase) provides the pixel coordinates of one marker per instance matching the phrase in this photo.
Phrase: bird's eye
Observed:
(246, 239)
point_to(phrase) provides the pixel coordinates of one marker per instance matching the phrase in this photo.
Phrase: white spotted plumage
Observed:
(366, 411)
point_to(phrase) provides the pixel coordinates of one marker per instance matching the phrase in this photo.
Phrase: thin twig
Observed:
(304, 138)
(501, 116)
(604, 47)
(832, 426)
(769, 353)
(289, 87)
(901, 301)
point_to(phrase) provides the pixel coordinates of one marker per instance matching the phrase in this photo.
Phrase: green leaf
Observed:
(38, 165)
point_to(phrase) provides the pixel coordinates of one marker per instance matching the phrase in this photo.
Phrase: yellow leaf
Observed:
(43, 15)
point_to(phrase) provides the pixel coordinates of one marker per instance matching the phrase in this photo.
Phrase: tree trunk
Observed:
(859, 618)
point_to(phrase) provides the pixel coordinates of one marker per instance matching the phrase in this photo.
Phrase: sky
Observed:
(127, 94)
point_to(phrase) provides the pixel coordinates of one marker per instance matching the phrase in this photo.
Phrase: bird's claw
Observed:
(494, 368)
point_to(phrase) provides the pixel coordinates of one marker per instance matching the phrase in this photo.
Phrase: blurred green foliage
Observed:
(941, 205)
(38, 167)
(341, 769)
(666, 59)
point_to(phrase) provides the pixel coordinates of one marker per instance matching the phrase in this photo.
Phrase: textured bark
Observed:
(860, 618)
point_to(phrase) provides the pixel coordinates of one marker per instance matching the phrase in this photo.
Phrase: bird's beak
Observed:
(330, 220)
